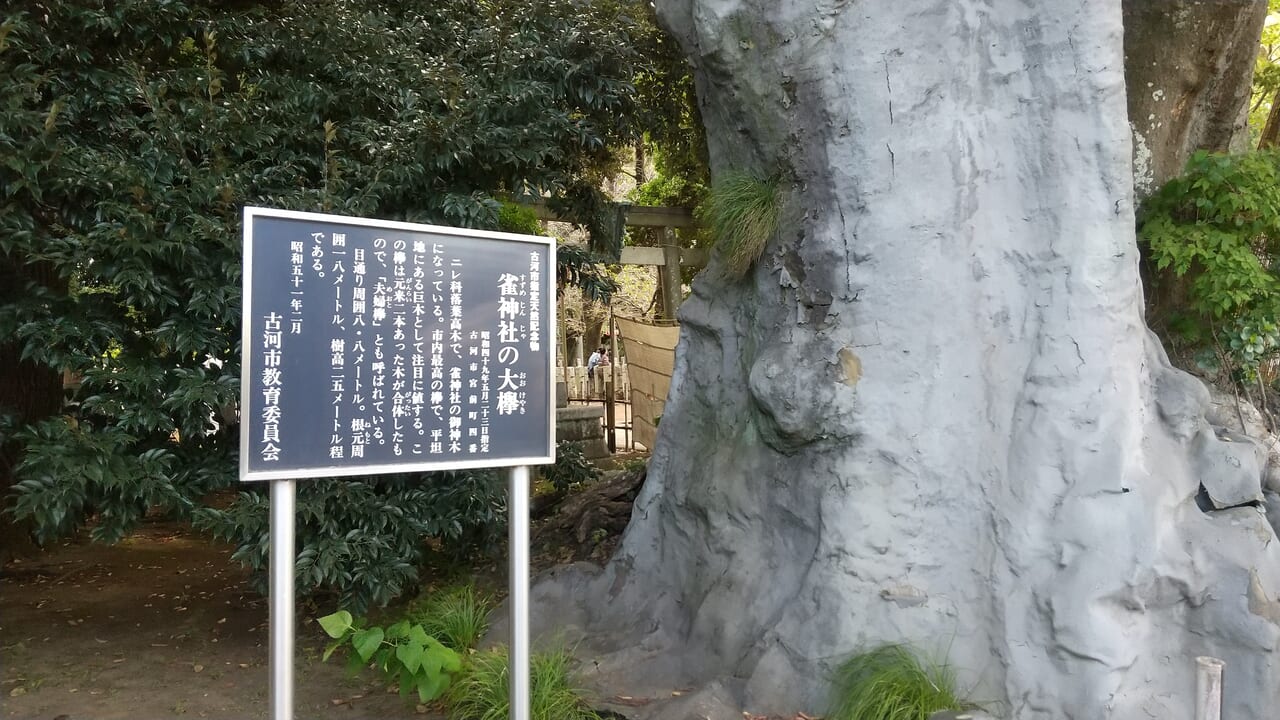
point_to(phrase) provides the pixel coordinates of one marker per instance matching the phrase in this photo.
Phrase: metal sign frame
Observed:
(248, 366)
(283, 483)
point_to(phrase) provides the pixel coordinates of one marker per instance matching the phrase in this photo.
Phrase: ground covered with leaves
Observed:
(162, 625)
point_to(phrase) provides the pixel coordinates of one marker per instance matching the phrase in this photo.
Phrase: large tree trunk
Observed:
(1271, 131)
(1189, 71)
(933, 413)
(1189, 68)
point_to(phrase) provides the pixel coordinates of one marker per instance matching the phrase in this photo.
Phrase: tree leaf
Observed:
(337, 624)
(410, 654)
(430, 686)
(328, 650)
(366, 642)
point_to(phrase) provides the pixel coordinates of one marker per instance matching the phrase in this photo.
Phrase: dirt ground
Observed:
(162, 625)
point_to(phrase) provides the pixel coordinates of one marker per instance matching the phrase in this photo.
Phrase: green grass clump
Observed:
(891, 683)
(742, 212)
(481, 692)
(458, 617)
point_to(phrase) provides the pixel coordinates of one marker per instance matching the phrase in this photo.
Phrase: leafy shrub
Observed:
(635, 464)
(742, 212)
(128, 159)
(515, 218)
(578, 266)
(404, 653)
(890, 683)
(482, 692)
(364, 541)
(571, 467)
(459, 616)
(1214, 235)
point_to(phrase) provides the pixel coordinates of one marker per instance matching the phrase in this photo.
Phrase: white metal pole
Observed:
(281, 615)
(1208, 688)
(518, 580)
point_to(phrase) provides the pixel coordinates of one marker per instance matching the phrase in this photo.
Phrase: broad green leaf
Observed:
(410, 654)
(328, 650)
(366, 642)
(398, 630)
(431, 685)
(337, 624)
(451, 662)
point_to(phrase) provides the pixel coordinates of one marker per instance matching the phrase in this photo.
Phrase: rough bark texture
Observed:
(581, 518)
(1271, 131)
(1189, 68)
(932, 414)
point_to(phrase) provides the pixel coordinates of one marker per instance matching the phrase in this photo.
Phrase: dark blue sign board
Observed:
(374, 347)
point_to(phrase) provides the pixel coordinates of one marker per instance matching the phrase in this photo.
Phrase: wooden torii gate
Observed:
(648, 396)
(668, 257)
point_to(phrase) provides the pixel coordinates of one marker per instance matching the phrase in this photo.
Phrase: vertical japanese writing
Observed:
(317, 254)
(484, 391)
(437, 396)
(455, 348)
(510, 395)
(272, 346)
(437, 389)
(297, 257)
(400, 296)
(359, 427)
(416, 350)
(535, 301)
(338, 346)
(419, 360)
(378, 365)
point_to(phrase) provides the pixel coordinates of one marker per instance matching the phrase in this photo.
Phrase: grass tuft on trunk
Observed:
(891, 683)
(742, 212)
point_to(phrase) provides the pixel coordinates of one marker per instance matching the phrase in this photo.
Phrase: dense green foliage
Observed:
(457, 616)
(570, 468)
(890, 683)
(404, 653)
(133, 132)
(1266, 72)
(481, 691)
(1213, 234)
(365, 540)
(671, 120)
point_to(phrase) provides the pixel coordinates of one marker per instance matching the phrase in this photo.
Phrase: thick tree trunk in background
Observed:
(1189, 74)
(640, 163)
(1271, 131)
(1189, 70)
(932, 414)
(30, 392)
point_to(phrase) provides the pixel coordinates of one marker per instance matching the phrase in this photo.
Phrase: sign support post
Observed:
(372, 346)
(281, 615)
(518, 586)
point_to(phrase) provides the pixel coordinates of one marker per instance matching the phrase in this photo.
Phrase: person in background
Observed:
(592, 363)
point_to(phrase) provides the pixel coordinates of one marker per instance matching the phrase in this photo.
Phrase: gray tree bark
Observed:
(932, 414)
(1189, 67)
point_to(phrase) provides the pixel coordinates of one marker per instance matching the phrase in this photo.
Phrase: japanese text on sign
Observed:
(380, 347)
